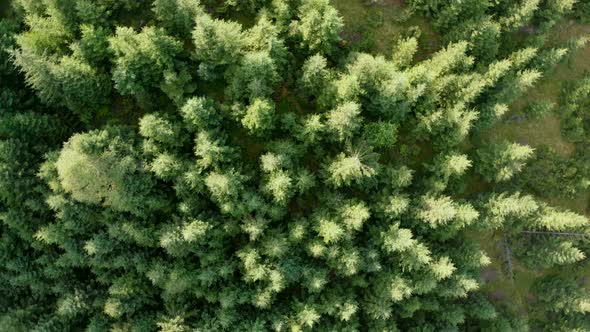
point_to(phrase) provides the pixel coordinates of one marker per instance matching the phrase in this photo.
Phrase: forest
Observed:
(294, 165)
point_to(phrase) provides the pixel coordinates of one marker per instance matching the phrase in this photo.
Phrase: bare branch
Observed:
(508, 257)
(556, 233)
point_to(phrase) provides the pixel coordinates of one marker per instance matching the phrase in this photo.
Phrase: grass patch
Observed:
(499, 288)
(578, 204)
(382, 21)
(547, 131)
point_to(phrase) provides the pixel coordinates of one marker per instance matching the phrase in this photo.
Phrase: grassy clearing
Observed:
(547, 131)
(514, 293)
(375, 24)
(550, 86)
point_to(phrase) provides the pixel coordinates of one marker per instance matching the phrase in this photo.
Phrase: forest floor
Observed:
(374, 24)
(547, 131)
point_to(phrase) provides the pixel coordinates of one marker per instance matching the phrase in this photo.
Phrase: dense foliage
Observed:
(167, 168)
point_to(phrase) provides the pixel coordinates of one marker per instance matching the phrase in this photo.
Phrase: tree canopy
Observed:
(193, 165)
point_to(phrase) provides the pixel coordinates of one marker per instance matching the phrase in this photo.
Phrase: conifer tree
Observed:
(500, 162)
(319, 25)
(143, 60)
(100, 168)
(566, 301)
(216, 41)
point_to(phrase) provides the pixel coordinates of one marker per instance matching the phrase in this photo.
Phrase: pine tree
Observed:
(99, 168)
(315, 75)
(216, 41)
(404, 51)
(255, 77)
(259, 117)
(319, 25)
(178, 16)
(343, 121)
(501, 162)
(355, 167)
(562, 295)
(142, 60)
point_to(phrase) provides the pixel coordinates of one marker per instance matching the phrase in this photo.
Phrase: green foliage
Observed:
(354, 167)
(216, 41)
(575, 100)
(15, 95)
(553, 10)
(70, 82)
(565, 300)
(582, 10)
(449, 14)
(259, 117)
(262, 175)
(254, 77)
(93, 45)
(344, 121)
(25, 136)
(539, 109)
(483, 34)
(318, 27)
(552, 175)
(199, 113)
(142, 60)
(502, 161)
(177, 16)
(381, 134)
(315, 75)
(100, 168)
(404, 51)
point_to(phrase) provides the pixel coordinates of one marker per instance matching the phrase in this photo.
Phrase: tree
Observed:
(550, 174)
(255, 77)
(483, 33)
(381, 134)
(404, 51)
(355, 167)
(160, 130)
(259, 117)
(102, 168)
(93, 45)
(216, 41)
(500, 162)
(265, 37)
(574, 125)
(344, 121)
(451, 14)
(200, 113)
(562, 295)
(315, 75)
(552, 11)
(142, 60)
(520, 14)
(70, 82)
(318, 27)
(178, 16)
